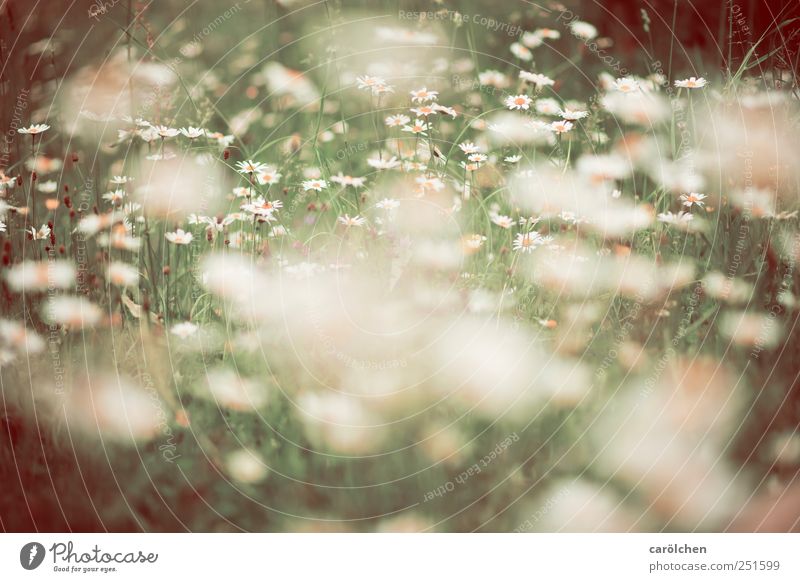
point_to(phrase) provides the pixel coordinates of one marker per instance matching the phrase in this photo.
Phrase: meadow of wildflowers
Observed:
(396, 266)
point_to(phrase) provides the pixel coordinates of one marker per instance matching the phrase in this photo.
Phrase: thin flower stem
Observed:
(152, 262)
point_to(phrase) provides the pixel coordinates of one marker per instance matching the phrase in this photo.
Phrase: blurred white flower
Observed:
(518, 102)
(724, 288)
(348, 221)
(108, 406)
(122, 274)
(423, 95)
(583, 29)
(637, 107)
(34, 129)
(169, 188)
(528, 241)
(316, 185)
(693, 199)
(750, 329)
(291, 84)
(246, 466)
(230, 390)
(38, 276)
(179, 237)
(537, 79)
(192, 132)
(184, 329)
(72, 312)
(22, 340)
(580, 506)
(339, 423)
(520, 51)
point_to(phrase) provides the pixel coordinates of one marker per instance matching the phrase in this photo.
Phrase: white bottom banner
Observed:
(390, 557)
